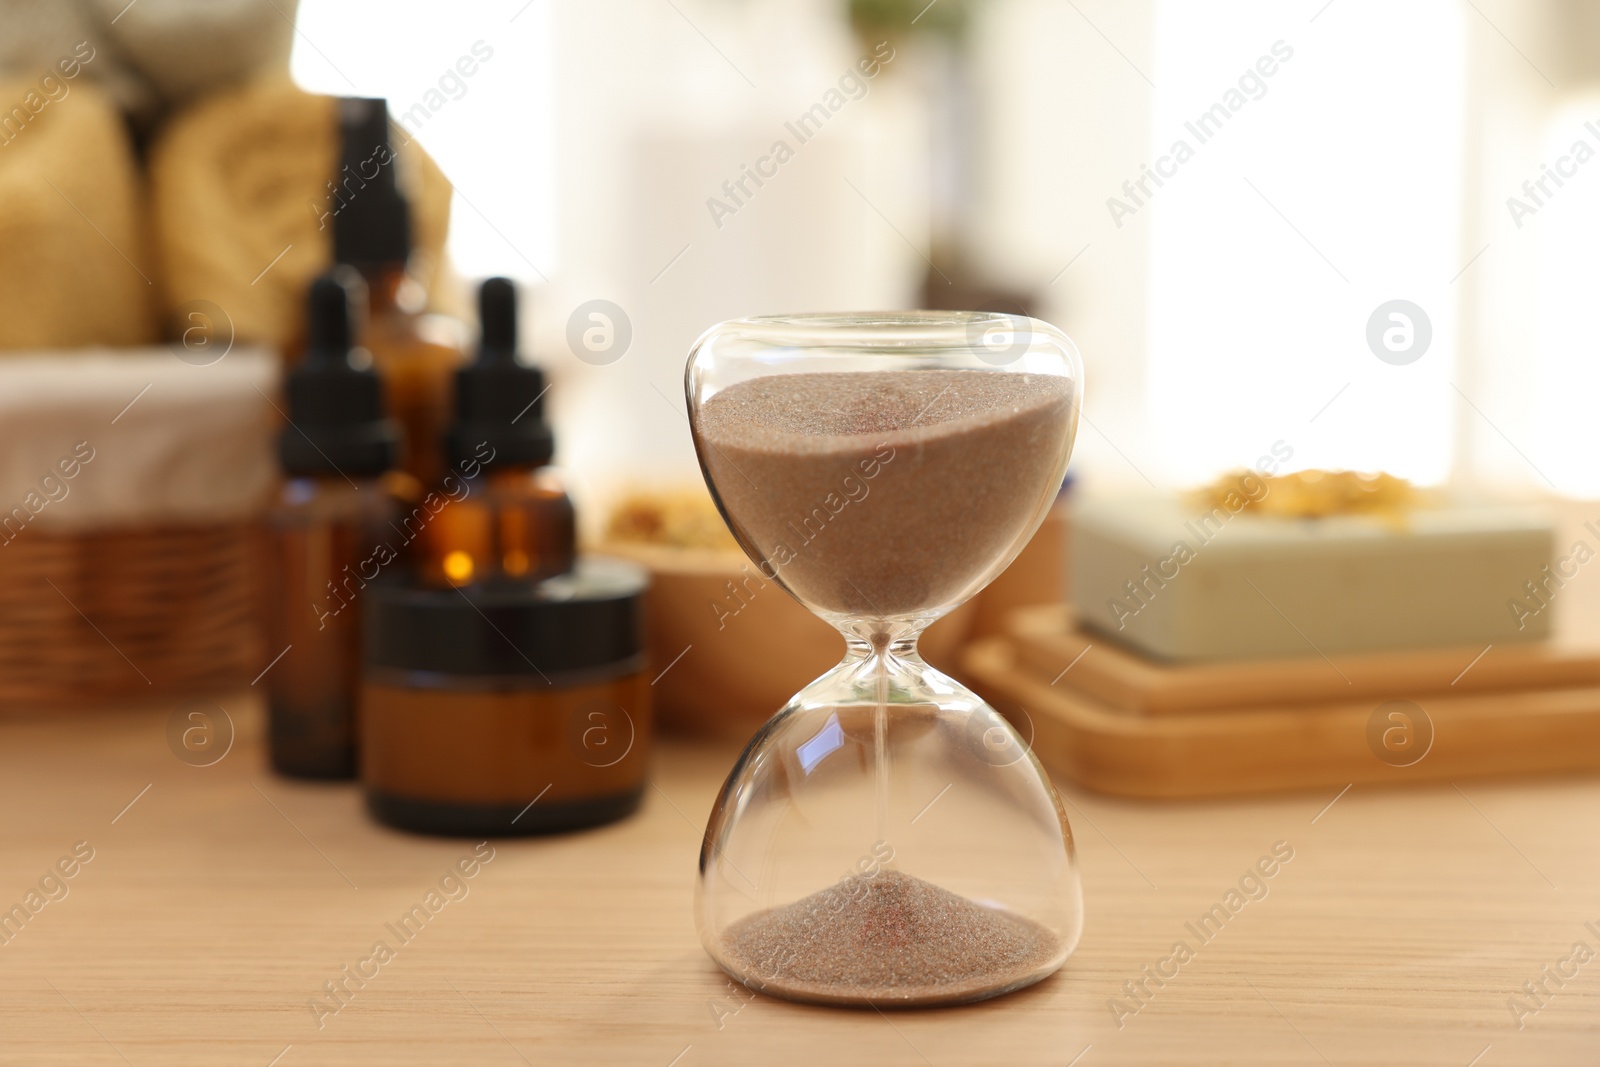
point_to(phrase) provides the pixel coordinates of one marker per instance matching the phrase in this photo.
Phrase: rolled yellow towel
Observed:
(239, 200)
(74, 269)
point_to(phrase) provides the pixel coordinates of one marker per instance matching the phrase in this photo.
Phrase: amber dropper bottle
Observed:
(509, 518)
(372, 232)
(329, 536)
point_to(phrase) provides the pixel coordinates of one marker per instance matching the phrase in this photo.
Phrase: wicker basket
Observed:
(118, 616)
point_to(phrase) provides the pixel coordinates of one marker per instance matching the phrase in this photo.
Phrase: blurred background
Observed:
(1223, 203)
(1226, 313)
(1222, 313)
(1345, 245)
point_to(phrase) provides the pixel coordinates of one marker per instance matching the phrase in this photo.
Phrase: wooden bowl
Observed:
(729, 648)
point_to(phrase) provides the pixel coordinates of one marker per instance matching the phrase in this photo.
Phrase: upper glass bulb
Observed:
(886, 837)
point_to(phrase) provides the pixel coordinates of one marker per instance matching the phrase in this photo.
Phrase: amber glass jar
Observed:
(518, 708)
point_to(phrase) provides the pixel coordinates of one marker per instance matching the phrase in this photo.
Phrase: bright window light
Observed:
(1567, 363)
(491, 131)
(1313, 195)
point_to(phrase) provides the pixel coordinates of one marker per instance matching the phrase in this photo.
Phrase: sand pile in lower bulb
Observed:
(888, 937)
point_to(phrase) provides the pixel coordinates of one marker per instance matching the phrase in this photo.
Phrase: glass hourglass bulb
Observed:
(886, 837)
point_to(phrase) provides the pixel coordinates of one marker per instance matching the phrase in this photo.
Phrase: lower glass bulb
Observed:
(887, 838)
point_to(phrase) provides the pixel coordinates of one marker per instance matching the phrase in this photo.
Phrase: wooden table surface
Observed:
(220, 899)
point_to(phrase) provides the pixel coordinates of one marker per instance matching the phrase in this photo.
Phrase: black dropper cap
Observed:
(373, 222)
(337, 424)
(499, 401)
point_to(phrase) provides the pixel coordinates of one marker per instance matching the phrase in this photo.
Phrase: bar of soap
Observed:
(1180, 583)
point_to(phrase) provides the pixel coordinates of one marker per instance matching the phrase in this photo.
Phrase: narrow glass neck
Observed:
(859, 649)
(898, 634)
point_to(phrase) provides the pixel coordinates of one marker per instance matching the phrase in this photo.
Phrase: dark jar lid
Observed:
(576, 626)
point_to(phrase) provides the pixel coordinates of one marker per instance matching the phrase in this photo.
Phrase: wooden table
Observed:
(220, 899)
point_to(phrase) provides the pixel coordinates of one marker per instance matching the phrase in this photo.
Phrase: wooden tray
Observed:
(1048, 645)
(1284, 747)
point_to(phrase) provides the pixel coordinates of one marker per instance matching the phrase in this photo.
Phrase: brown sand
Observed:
(885, 493)
(888, 937)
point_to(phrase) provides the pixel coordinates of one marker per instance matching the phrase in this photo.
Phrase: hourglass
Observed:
(887, 837)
